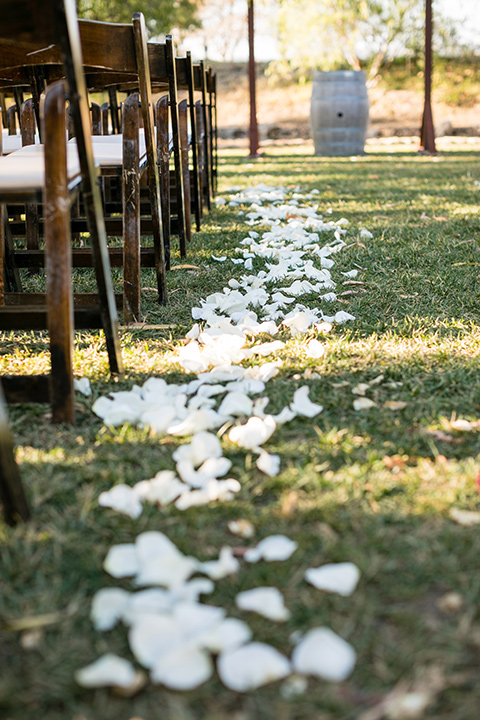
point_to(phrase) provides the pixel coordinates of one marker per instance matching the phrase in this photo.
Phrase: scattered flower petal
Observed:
(251, 666)
(266, 601)
(123, 499)
(272, 548)
(302, 405)
(341, 578)
(268, 464)
(107, 670)
(324, 654)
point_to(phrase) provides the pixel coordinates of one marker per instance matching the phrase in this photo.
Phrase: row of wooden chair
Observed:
(118, 160)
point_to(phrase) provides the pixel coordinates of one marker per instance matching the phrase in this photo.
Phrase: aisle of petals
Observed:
(171, 632)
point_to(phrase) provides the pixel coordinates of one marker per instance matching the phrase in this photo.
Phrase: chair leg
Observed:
(140, 37)
(131, 211)
(31, 210)
(183, 124)
(12, 496)
(163, 161)
(195, 185)
(172, 87)
(58, 259)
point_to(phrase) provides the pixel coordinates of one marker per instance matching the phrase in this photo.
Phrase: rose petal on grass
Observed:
(121, 561)
(272, 548)
(363, 403)
(123, 499)
(285, 416)
(230, 634)
(266, 601)
(162, 489)
(302, 405)
(341, 317)
(225, 565)
(154, 636)
(268, 464)
(235, 403)
(251, 666)
(324, 654)
(314, 349)
(108, 606)
(82, 385)
(161, 562)
(183, 669)
(242, 528)
(108, 670)
(341, 578)
(269, 348)
(254, 433)
(467, 518)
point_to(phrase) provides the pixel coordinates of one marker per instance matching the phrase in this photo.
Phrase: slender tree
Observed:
(254, 141)
(427, 132)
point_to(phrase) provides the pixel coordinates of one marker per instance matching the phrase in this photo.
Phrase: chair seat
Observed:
(23, 171)
(108, 149)
(10, 143)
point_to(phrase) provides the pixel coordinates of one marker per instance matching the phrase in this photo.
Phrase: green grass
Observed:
(372, 487)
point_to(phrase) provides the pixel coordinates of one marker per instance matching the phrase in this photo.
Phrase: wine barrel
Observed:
(339, 112)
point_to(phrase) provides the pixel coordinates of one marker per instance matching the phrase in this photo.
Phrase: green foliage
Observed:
(160, 15)
(339, 34)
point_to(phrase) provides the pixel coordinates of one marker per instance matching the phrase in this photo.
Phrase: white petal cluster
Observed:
(171, 632)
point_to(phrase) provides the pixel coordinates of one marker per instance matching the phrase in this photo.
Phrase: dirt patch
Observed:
(284, 112)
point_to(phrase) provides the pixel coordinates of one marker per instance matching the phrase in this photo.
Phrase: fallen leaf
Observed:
(363, 403)
(242, 528)
(395, 405)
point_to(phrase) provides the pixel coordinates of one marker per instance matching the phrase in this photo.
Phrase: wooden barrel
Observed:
(339, 112)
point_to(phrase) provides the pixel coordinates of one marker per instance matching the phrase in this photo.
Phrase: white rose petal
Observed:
(251, 666)
(302, 405)
(82, 385)
(268, 464)
(107, 670)
(324, 654)
(315, 349)
(121, 561)
(225, 565)
(235, 403)
(108, 606)
(123, 499)
(467, 518)
(254, 433)
(183, 669)
(272, 548)
(163, 489)
(341, 578)
(230, 634)
(266, 601)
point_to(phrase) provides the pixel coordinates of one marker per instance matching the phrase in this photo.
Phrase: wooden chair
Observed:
(117, 53)
(52, 174)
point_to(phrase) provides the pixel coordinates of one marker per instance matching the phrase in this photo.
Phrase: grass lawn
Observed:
(373, 487)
